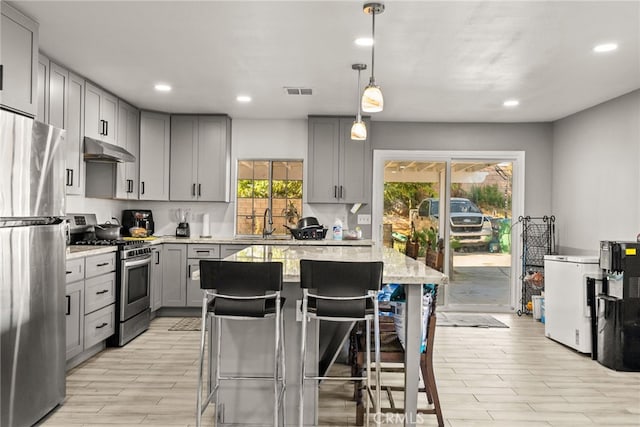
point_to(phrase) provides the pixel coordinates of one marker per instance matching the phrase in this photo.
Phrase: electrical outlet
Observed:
(364, 219)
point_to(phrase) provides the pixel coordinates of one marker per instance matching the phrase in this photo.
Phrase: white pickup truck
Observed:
(469, 226)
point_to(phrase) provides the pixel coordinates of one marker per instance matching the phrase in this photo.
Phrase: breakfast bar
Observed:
(240, 403)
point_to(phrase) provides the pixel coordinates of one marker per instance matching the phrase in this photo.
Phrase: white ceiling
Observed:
(435, 60)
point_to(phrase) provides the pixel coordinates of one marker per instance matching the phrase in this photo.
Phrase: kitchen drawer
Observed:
(203, 251)
(99, 325)
(99, 292)
(75, 270)
(100, 264)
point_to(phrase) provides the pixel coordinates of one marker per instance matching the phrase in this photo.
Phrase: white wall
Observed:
(535, 139)
(595, 175)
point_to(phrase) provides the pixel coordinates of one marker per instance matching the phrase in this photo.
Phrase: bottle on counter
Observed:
(337, 229)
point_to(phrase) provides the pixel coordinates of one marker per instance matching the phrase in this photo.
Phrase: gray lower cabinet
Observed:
(19, 47)
(195, 253)
(174, 272)
(339, 168)
(74, 311)
(157, 259)
(90, 298)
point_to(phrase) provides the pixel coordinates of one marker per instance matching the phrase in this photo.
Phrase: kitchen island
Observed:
(247, 345)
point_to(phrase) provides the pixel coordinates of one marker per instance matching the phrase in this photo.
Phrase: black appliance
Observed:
(133, 273)
(308, 229)
(137, 218)
(618, 318)
(183, 230)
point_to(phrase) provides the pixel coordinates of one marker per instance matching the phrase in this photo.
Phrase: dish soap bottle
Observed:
(337, 229)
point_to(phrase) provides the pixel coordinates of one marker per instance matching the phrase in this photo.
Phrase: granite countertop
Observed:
(86, 250)
(398, 268)
(277, 241)
(74, 252)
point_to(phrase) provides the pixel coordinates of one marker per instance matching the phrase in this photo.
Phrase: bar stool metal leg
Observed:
(303, 354)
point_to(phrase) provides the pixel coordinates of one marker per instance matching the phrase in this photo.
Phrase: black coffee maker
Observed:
(137, 218)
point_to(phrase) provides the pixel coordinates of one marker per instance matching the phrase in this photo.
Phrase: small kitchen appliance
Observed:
(308, 228)
(137, 218)
(183, 226)
(618, 323)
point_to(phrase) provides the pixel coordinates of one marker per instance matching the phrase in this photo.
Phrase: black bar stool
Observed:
(343, 292)
(241, 291)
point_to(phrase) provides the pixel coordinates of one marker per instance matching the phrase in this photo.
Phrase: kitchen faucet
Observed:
(267, 220)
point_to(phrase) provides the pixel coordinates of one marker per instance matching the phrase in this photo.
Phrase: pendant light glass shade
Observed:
(358, 128)
(372, 101)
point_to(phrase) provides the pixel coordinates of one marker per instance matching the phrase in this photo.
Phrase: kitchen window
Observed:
(268, 187)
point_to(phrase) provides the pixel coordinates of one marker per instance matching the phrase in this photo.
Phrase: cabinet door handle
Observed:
(106, 128)
(102, 264)
(1, 75)
(142, 185)
(193, 190)
(71, 182)
(67, 181)
(335, 191)
(199, 189)
(101, 132)
(128, 186)
(189, 273)
(157, 257)
(104, 291)
(341, 192)
(102, 326)
(68, 312)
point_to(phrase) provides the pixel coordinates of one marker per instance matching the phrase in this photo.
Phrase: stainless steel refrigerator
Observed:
(32, 270)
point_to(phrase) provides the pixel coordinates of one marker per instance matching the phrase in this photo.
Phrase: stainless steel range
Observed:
(133, 267)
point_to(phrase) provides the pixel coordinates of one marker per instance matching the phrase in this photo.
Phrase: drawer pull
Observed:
(102, 326)
(102, 264)
(104, 291)
(202, 252)
(69, 272)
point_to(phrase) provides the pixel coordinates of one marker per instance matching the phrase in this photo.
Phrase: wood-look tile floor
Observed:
(485, 377)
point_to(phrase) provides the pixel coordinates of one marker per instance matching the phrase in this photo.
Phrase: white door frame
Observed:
(517, 202)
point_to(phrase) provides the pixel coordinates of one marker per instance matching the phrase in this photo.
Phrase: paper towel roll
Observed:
(205, 225)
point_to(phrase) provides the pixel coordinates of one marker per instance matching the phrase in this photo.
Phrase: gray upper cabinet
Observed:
(58, 96)
(200, 158)
(155, 140)
(74, 160)
(100, 114)
(129, 139)
(42, 103)
(19, 50)
(339, 168)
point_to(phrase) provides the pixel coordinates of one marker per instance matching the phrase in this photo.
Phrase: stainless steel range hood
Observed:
(99, 151)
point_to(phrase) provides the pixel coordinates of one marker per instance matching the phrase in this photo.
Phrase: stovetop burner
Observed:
(116, 242)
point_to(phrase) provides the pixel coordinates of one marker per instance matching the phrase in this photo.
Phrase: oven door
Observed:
(134, 290)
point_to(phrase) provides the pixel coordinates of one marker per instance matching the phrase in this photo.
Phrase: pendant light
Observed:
(358, 129)
(372, 101)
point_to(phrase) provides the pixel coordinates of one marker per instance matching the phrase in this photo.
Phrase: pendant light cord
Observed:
(358, 118)
(373, 45)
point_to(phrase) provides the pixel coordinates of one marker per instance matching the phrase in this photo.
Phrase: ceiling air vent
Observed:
(298, 91)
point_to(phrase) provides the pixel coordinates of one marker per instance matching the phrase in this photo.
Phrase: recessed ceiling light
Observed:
(605, 47)
(243, 98)
(364, 41)
(161, 87)
(511, 103)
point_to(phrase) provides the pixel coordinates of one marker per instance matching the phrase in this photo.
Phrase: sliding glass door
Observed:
(460, 204)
